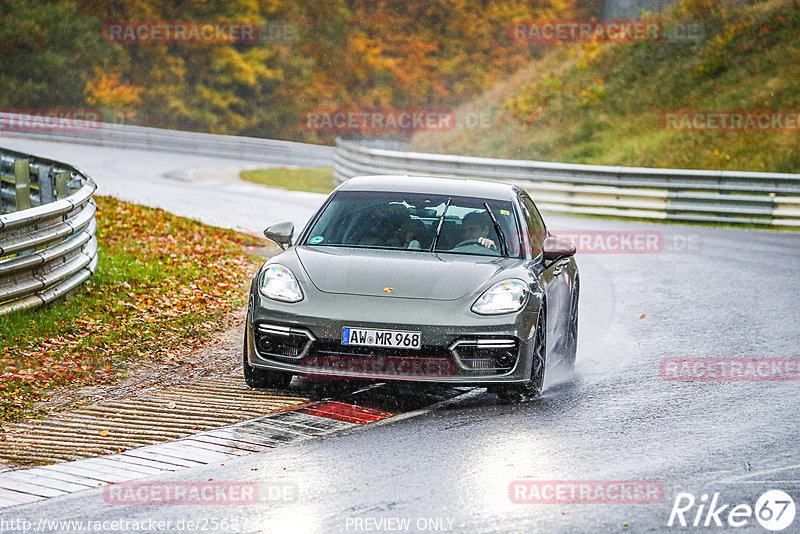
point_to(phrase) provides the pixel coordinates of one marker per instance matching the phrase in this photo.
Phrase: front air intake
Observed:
(485, 356)
(282, 343)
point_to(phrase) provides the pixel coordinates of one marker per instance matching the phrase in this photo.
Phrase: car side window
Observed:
(536, 229)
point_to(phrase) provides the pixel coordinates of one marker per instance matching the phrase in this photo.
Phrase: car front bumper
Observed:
(458, 346)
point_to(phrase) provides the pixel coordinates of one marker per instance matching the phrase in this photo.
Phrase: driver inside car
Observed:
(476, 226)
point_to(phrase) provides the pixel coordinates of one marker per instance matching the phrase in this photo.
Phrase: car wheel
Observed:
(263, 378)
(533, 387)
(571, 347)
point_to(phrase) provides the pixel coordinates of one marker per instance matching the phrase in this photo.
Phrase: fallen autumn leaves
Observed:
(163, 282)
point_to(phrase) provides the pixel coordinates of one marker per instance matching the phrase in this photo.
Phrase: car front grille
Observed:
(336, 348)
(330, 356)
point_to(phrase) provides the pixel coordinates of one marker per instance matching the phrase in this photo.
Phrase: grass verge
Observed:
(162, 283)
(316, 180)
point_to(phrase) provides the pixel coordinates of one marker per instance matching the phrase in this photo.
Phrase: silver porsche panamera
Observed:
(421, 279)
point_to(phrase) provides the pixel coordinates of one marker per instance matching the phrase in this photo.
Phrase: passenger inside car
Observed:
(386, 225)
(412, 223)
(416, 235)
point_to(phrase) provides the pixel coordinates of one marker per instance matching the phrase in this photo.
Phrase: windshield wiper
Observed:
(498, 229)
(439, 228)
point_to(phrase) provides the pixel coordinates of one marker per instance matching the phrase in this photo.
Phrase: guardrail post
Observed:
(61, 185)
(47, 190)
(5, 205)
(22, 179)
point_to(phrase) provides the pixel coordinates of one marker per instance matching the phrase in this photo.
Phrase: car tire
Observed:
(263, 378)
(533, 387)
(571, 345)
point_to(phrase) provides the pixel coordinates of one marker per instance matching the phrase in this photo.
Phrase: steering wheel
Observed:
(468, 242)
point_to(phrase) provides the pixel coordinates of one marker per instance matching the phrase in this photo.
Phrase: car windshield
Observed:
(405, 221)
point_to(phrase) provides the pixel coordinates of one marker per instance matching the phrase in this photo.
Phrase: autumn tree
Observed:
(47, 53)
(346, 54)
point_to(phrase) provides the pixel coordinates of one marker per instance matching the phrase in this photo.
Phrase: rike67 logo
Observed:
(774, 510)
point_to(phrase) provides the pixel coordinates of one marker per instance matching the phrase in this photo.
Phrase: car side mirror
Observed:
(554, 249)
(281, 233)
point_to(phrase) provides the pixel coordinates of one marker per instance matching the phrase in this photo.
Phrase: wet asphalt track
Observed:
(615, 419)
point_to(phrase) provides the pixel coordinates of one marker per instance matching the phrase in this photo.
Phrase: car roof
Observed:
(431, 185)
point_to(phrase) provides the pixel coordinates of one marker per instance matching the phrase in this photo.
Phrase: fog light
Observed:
(504, 359)
(264, 343)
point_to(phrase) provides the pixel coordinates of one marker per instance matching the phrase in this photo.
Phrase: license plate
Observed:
(397, 339)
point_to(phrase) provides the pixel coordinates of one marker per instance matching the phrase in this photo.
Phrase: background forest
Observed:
(343, 54)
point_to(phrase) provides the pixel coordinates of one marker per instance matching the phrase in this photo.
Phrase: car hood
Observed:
(409, 274)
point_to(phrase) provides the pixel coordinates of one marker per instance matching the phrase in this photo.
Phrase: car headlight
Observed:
(503, 297)
(279, 283)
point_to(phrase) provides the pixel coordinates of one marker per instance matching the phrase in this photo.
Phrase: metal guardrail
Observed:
(47, 230)
(638, 192)
(143, 138)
